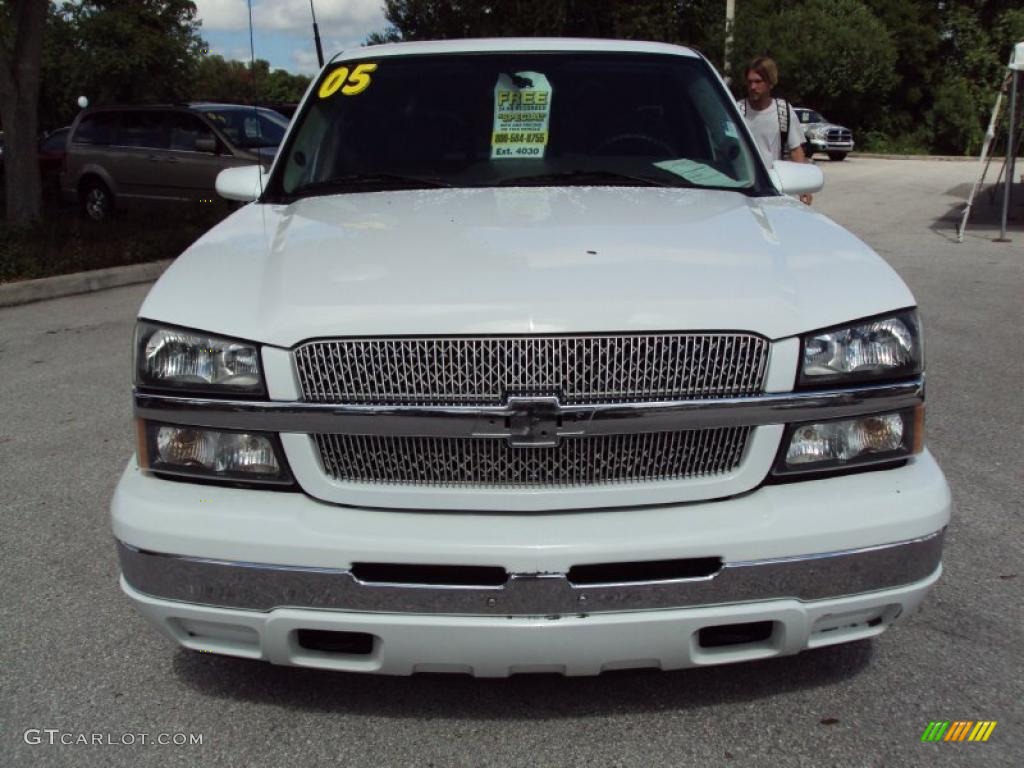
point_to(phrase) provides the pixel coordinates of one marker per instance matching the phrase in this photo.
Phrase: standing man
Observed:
(773, 122)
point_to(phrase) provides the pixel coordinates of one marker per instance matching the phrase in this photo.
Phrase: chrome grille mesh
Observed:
(486, 370)
(489, 462)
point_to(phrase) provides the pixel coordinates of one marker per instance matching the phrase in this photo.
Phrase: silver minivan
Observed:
(126, 155)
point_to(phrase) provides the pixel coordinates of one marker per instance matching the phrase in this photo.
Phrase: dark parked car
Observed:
(287, 109)
(51, 154)
(127, 155)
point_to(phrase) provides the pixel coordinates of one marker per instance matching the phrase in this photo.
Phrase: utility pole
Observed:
(730, 14)
(1016, 70)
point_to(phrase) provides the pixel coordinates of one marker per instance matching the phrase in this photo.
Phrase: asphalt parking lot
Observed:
(78, 660)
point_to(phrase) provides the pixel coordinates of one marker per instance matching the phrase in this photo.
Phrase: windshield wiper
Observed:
(591, 178)
(364, 182)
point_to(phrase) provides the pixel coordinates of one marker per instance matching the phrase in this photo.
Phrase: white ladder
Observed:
(985, 159)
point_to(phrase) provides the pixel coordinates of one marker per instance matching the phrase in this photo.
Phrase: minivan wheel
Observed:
(97, 201)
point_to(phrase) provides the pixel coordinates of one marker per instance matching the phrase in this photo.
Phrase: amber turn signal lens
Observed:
(842, 443)
(141, 444)
(190, 451)
(918, 444)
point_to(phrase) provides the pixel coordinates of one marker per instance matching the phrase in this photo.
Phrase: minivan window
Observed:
(247, 128)
(513, 119)
(98, 128)
(142, 129)
(185, 129)
(55, 141)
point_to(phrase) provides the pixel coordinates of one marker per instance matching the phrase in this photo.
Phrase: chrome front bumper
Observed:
(835, 146)
(262, 587)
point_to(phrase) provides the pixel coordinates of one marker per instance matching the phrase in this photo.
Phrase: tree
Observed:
(63, 76)
(220, 80)
(117, 51)
(702, 26)
(21, 45)
(954, 118)
(284, 87)
(973, 64)
(915, 28)
(445, 19)
(136, 50)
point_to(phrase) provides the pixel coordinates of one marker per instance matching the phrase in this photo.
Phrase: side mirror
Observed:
(244, 183)
(797, 178)
(206, 145)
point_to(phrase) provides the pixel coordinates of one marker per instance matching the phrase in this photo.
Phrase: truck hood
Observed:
(824, 126)
(523, 260)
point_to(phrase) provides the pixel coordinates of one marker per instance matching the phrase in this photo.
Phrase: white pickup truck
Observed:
(519, 359)
(824, 136)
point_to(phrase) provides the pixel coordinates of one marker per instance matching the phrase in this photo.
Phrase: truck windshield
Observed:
(516, 119)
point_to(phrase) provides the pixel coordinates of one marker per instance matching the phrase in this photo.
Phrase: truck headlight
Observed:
(212, 454)
(864, 440)
(887, 347)
(179, 359)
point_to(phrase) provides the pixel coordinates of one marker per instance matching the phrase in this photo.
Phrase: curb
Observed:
(27, 291)
(947, 158)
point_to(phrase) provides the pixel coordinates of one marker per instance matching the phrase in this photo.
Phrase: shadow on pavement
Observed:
(986, 213)
(520, 697)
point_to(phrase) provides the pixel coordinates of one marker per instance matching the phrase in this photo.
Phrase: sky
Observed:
(283, 29)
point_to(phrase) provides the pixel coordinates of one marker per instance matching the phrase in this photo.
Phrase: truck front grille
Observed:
(487, 370)
(493, 462)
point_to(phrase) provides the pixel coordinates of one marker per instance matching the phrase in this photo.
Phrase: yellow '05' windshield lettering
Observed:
(350, 83)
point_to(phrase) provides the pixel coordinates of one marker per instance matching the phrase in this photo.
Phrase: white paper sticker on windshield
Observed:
(522, 106)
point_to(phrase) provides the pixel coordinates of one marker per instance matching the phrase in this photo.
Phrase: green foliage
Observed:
(389, 35)
(138, 50)
(1007, 30)
(444, 19)
(232, 81)
(702, 25)
(972, 71)
(117, 51)
(63, 81)
(220, 80)
(954, 118)
(914, 26)
(281, 86)
(909, 143)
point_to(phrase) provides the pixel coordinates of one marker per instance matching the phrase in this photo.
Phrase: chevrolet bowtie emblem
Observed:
(534, 422)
